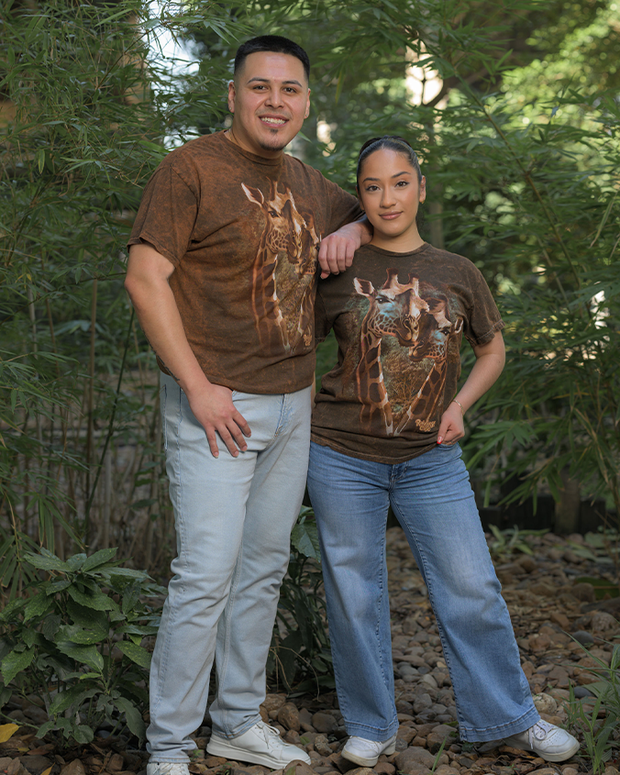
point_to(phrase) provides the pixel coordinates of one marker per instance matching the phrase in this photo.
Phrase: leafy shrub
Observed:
(300, 652)
(76, 641)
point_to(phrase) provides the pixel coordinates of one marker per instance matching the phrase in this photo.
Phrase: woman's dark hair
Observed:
(392, 143)
(274, 44)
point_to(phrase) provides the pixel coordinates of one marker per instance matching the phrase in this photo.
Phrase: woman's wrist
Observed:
(456, 401)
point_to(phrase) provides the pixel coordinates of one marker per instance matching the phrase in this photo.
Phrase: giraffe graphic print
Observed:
(284, 271)
(403, 387)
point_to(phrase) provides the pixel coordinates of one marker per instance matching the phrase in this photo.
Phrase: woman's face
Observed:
(390, 194)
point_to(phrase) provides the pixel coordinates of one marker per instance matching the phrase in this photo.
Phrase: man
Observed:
(222, 272)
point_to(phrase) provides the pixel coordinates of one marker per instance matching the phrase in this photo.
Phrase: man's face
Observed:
(270, 99)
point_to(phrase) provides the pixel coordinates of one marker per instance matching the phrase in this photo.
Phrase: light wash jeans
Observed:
(233, 519)
(433, 501)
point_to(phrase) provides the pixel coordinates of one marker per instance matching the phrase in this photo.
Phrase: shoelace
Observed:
(540, 730)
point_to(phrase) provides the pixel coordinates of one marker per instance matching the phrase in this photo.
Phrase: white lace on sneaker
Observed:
(548, 741)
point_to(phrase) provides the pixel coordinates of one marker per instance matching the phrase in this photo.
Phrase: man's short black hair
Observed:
(275, 44)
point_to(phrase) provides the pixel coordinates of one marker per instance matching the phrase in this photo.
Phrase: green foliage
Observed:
(600, 735)
(86, 103)
(506, 542)
(75, 639)
(515, 116)
(300, 656)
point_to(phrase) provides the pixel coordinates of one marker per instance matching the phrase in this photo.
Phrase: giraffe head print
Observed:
(395, 308)
(286, 230)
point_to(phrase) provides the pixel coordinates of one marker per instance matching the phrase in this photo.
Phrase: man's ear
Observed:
(307, 113)
(231, 96)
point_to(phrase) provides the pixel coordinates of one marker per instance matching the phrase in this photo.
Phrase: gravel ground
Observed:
(547, 601)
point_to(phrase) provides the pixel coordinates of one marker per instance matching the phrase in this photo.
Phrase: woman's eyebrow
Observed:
(396, 175)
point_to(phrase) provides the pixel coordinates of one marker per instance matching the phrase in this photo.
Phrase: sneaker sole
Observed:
(548, 757)
(368, 762)
(230, 752)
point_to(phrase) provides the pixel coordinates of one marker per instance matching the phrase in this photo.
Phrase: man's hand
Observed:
(215, 411)
(337, 249)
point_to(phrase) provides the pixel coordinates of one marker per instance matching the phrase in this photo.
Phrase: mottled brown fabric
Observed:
(399, 319)
(242, 232)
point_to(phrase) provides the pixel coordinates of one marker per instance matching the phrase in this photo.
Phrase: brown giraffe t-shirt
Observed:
(242, 232)
(399, 320)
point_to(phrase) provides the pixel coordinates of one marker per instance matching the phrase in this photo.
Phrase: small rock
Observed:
(361, 771)
(583, 637)
(36, 714)
(545, 703)
(384, 768)
(321, 745)
(583, 591)
(540, 642)
(324, 722)
(412, 767)
(429, 681)
(436, 738)
(418, 756)
(569, 771)
(406, 733)
(244, 769)
(301, 768)
(273, 702)
(581, 692)
(73, 768)
(422, 702)
(601, 621)
(116, 762)
(36, 764)
(609, 770)
(288, 716)
(305, 719)
(15, 767)
(545, 771)
(527, 563)
(561, 620)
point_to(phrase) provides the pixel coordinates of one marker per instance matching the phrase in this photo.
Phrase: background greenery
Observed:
(515, 113)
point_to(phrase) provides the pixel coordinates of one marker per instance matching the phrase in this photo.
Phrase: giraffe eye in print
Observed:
(283, 272)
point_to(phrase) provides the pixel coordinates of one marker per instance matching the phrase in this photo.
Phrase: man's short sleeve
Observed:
(166, 215)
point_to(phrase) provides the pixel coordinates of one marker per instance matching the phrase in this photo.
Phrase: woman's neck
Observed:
(401, 244)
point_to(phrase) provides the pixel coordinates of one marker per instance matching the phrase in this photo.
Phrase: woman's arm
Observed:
(490, 359)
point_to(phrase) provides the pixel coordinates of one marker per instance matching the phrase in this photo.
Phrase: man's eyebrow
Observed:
(266, 80)
(397, 175)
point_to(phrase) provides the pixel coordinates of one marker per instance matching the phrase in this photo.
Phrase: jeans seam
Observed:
(426, 576)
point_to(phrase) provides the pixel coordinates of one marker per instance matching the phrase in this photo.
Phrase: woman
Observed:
(385, 431)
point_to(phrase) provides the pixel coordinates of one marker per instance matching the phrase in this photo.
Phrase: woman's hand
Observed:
(451, 427)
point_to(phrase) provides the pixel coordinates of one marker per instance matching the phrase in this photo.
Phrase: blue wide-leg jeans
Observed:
(432, 499)
(233, 519)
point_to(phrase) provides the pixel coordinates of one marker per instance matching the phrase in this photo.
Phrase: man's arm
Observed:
(337, 249)
(147, 278)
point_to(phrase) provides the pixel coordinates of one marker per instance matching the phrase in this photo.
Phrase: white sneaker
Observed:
(261, 744)
(167, 768)
(367, 752)
(548, 741)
